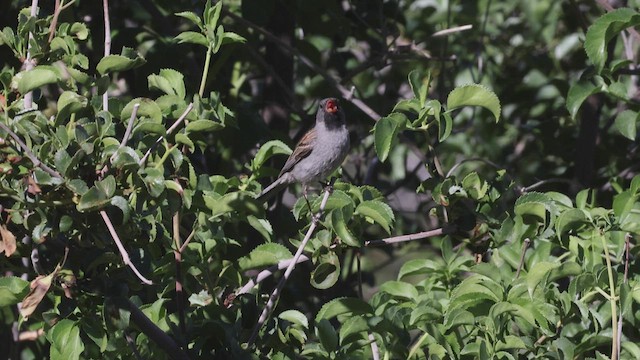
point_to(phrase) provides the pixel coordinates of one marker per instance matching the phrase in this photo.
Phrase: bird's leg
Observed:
(304, 193)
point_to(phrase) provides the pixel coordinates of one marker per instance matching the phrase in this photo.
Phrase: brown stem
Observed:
(34, 159)
(178, 260)
(410, 237)
(54, 20)
(164, 341)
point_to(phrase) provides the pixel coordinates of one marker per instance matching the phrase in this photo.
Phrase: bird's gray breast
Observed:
(330, 149)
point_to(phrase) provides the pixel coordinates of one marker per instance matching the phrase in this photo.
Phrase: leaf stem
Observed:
(612, 301)
(205, 71)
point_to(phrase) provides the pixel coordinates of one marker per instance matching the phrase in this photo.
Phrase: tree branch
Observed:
(29, 64)
(107, 47)
(34, 159)
(169, 131)
(268, 308)
(123, 251)
(164, 341)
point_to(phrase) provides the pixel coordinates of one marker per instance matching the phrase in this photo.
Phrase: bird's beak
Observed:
(332, 108)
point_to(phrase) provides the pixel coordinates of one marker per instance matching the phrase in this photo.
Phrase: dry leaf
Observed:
(39, 288)
(33, 187)
(8, 241)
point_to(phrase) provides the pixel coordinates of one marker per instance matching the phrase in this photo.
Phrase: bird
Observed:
(318, 153)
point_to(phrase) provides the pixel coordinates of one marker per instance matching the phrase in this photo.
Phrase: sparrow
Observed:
(319, 153)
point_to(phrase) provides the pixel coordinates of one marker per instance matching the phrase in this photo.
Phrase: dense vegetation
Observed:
(488, 208)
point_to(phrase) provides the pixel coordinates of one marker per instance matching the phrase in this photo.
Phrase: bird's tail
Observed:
(272, 189)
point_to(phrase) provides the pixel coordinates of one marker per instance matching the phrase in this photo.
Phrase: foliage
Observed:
(128, 215)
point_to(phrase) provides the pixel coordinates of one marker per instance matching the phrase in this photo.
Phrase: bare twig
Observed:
(393, 240)
(525, 245)
(452, 30)
(164, 341)
(34, 159)
(107, 47)
(178, 260)
(488, 162)
(625, 279)
(127, 133)
(54, 20)
(29, 64)
(268, 272)
(410, 237)
(268, 308)
(123, 251)
(186, 242)
(547, 181)
(169, 131)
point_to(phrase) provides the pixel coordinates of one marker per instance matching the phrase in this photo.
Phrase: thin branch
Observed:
(627, 240)
(30, 335)
(410, 237)
(186, 242)
(127, 133)
(547, 181)
(488, 162)
(452, 30)
(525, 245)
(107, 47)
(268, 308)
(164, 341)
(54, 20)
(178, 260)
(387, 241)
(34, 159)
(29, 64)
(169, 131)
(123, 251)
(283, 264)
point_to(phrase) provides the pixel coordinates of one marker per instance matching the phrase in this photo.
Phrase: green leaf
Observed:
(377, 211)
(570, 220)
(386, 133)
(129, 59)
(212, 14)
(445, 126)
(419, 85)
(262, 226)
(184, 139)
(580, 91)
(474, 95)
(264, 255)
(69, 103)
(353, 328)
(538, 273)
(107, 185)
(147, 108)
(532, 207)
(339, 226)
(267, 150)
(66, 343)
(191, 16)
(327, 271)
(295, 317)
(343, 306)
(192, 37)
(327, 335)
(625, 123)
(12, 290)
(400, 289)
(35, 78)
(603, 30)
(169, 81)
(204, 125)
(93, 199)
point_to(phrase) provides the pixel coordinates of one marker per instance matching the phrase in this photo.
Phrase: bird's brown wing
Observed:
(302, 150)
